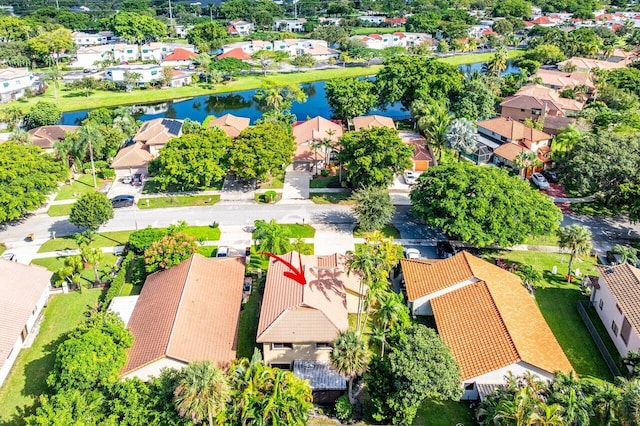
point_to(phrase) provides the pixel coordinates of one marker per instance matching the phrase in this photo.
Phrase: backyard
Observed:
(28, 377)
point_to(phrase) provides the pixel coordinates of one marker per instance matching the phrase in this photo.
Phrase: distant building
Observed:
(179, 58)
(289, 25)
(240, 28)
(14, 82)
(83, 39)
(148, 73)
(589, 64)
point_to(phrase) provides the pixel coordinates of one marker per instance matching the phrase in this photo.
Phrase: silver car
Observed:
(538, 180)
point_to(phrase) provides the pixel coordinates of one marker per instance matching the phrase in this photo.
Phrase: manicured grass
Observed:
(325, 182)
(597, 207)
(260, 198)
(477, 57)
(343, 198)
(299, 231)
(60, 210)
(602, 332)
(542, 240)
(208, 251)
(276, 182)
(103, 239)
(248, 324)
(87, 276)
(151, 187)
(203, 233)
(78, 187)
(444, 413)
(389, 231)
(178, 201)
(130, 290)
(376, 30)
(27, 379)
(557, 300)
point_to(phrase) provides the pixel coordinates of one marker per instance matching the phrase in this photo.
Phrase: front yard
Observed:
(331, 198)
(87, 276)
(78, 187)
(178, 201)
(103, 239)
(27, 379)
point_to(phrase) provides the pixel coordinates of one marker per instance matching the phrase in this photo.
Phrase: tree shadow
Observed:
(333, 217)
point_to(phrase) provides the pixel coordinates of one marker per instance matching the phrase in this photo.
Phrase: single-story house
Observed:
(422, 157)
(369, 121)
(308, 134)
(488, 319)
(46, 136)
(180, 78)
(184, 314)
(131, 160)
(589, 64)
(179, 58)
(230, 124)
(14, 82)
(24, 290)
(615, 295)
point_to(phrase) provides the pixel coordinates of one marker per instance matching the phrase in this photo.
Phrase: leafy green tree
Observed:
(372, 156)
(271, 237)
(230, 66)
(85, 85)
(70, 271)
(131, 79)
(544, 54)
(629, 407)
(576, 240)
(349, 357)
(305, 60)
(269, 59)
(627, 254)
(202, 393)
(53, 43)
(42, 114)
(207, 36)
(632, 360)
(350, 97)
(462, 136)
(192, 161)
(92, 210)
(515, 8)
(69, 407)
(373, 209)
(433, 119)
(276, 96)
(483, 205)
(12, 115)
(13, 28)
(629, 198)
(26, 177)
(332, 34)
(474, 101)
(389, 314)
(262, 150)
(135, 27)
(605, 403)
(497, 63)
(564, 142)
(170, 250)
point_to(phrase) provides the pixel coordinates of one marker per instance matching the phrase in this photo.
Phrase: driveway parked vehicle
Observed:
(412, 253)
(122, 201)
(550, 175)
(137, 180)
(223, 251)
(127, 179)
(410, 178)
(538, 180)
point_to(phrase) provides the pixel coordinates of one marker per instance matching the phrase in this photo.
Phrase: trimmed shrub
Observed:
(344, 409)
(270, 196)
(141, 240)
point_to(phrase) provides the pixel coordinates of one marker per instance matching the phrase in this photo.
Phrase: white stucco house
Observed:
(487, 318)
(615, 295)
(14, 82)
(117, 53)
(24, 290)
(289, 25)
(82, 39)
(148, 72)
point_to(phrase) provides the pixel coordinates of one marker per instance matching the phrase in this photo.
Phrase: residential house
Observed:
(179, 58)
(157, 132)
(148, 73)
(46, 136)
(289, 25)
(372, 19)
(24, 290)
(115, 53)
(239, 28)
(487, 318)
(559, 80)
(180, 78)
(14, 82)
(299, 322)
(83, 39)
(312, 138)
(157, 51)
(422, 157)
(500, 140)
(185, 314)
(589, 64)
(370, 121)
(615, 295)
(236, 53)
(230, 124)
(329, 21)
(318, 49)
(181, 31)
(131, 160)
(248, 47)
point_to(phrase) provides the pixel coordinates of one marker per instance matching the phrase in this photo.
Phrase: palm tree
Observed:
(84, 138)
(271, 237)
(547, 415)
(389, 311)
(54, 76)
(627, 254)
(462, 136)
(20, 136)
(577, 240)
(529, 275)
(433, 120)
(629, 408)
(365, 262)
(605, 403)
(202, 392)
(524, 161)
(497, 63)
(349, 357)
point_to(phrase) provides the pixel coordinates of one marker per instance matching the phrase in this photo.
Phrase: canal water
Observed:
(242, 104)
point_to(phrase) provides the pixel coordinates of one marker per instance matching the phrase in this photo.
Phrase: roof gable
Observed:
(623, 282)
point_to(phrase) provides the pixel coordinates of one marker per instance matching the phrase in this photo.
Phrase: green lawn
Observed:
(151, 187)
(27, 379)
(299, 231)
(103, 239)
(557, 300)
(325, 182)
(444, 413)
(477, 57)
(542, 240)
(203, 233)
(87, 276)
(130, 290)
(208, 251)
(389, 231)
(597, 207)
(178, 201)
(248, 326)
(60, 210)
(78, 187)
(260, 198)
(376, 30)
(602, 331)
(343, 198)
(276, 182)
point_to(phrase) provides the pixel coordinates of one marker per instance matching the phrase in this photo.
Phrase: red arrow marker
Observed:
(297, 275)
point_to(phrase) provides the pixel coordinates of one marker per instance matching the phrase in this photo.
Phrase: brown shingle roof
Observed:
(46, 136)
(132, 156)
(230, 124)
(21, 287)
(624, 283)
(513, 130)
(189, 313)
(369, 121)
(490, 322)
(315, 312)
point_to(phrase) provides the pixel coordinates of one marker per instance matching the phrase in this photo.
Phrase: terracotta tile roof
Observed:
(369, 121)
(180, 55)
(236, 53)
(589, 64)
(513, 130)
(158, 131)
(563, 79)
(189, 313)
(315, 312)
(624, 283)
(313, 130)
(132, 156)
(544, 93)
(230, 124)
(46, 136)
(489, 322)
(21, 287)
(509, 151)
(419, 144)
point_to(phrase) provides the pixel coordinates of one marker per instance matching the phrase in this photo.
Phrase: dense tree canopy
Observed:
(135, 27)
(474, 100)
(91, 210)
(373, 209)
(27, 175)
(207, 36)
(42, 114)
(168, 251)
(350, 97)
(482, 205)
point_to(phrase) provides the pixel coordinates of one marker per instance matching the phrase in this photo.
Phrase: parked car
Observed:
(550, 175)
(9, 256)
(223, 251)
(538, 180)
(137, 179)
(122, 201)
(410, 178)
(445, 249)
(412, 253)
(127, 179)
(614, 258)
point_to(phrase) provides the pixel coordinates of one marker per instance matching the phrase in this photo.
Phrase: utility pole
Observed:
(173, 24)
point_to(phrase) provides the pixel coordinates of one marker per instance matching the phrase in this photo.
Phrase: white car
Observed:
(538, 180)
(223, 251)
(412, 253)
(410, 178)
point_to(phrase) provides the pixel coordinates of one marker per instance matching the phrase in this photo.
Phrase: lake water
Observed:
(242, 104)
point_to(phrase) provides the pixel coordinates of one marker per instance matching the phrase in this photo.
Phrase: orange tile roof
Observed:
(369, 121)
(489, 323)
(180, 55)
(513, 130)
(189, 313)
(623, 282)
(509, 151)
(236, 53)
(564, 79)
(315, 312)
(132, 156)
(313, 130)
(230, 124)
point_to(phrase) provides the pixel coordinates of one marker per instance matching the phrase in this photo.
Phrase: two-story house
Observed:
(314, 138)
(82, 39)
(14, 82)
(560, 80)
(239, 28)
(289, 25)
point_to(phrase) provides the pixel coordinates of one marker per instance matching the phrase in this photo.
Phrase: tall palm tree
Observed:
(271, 237)
(389, 311)
(605, 403)
(202, 392)
(365, 263)
(349, 357)
(462, 136)
(54, 76)
(577, 240)
(433, 119)
(84, 139)
(497, 63)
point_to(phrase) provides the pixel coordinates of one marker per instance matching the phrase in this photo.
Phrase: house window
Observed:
(614, 328)
(129, 51)
(521, 109)
(469, 386)
(282, 346)
(625, 332)
(601, 304)
(281, 366)
(324, 345)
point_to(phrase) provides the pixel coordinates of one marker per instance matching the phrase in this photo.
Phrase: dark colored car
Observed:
(122, 201)
(137, 180)
(445, 249)
(550, 175)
